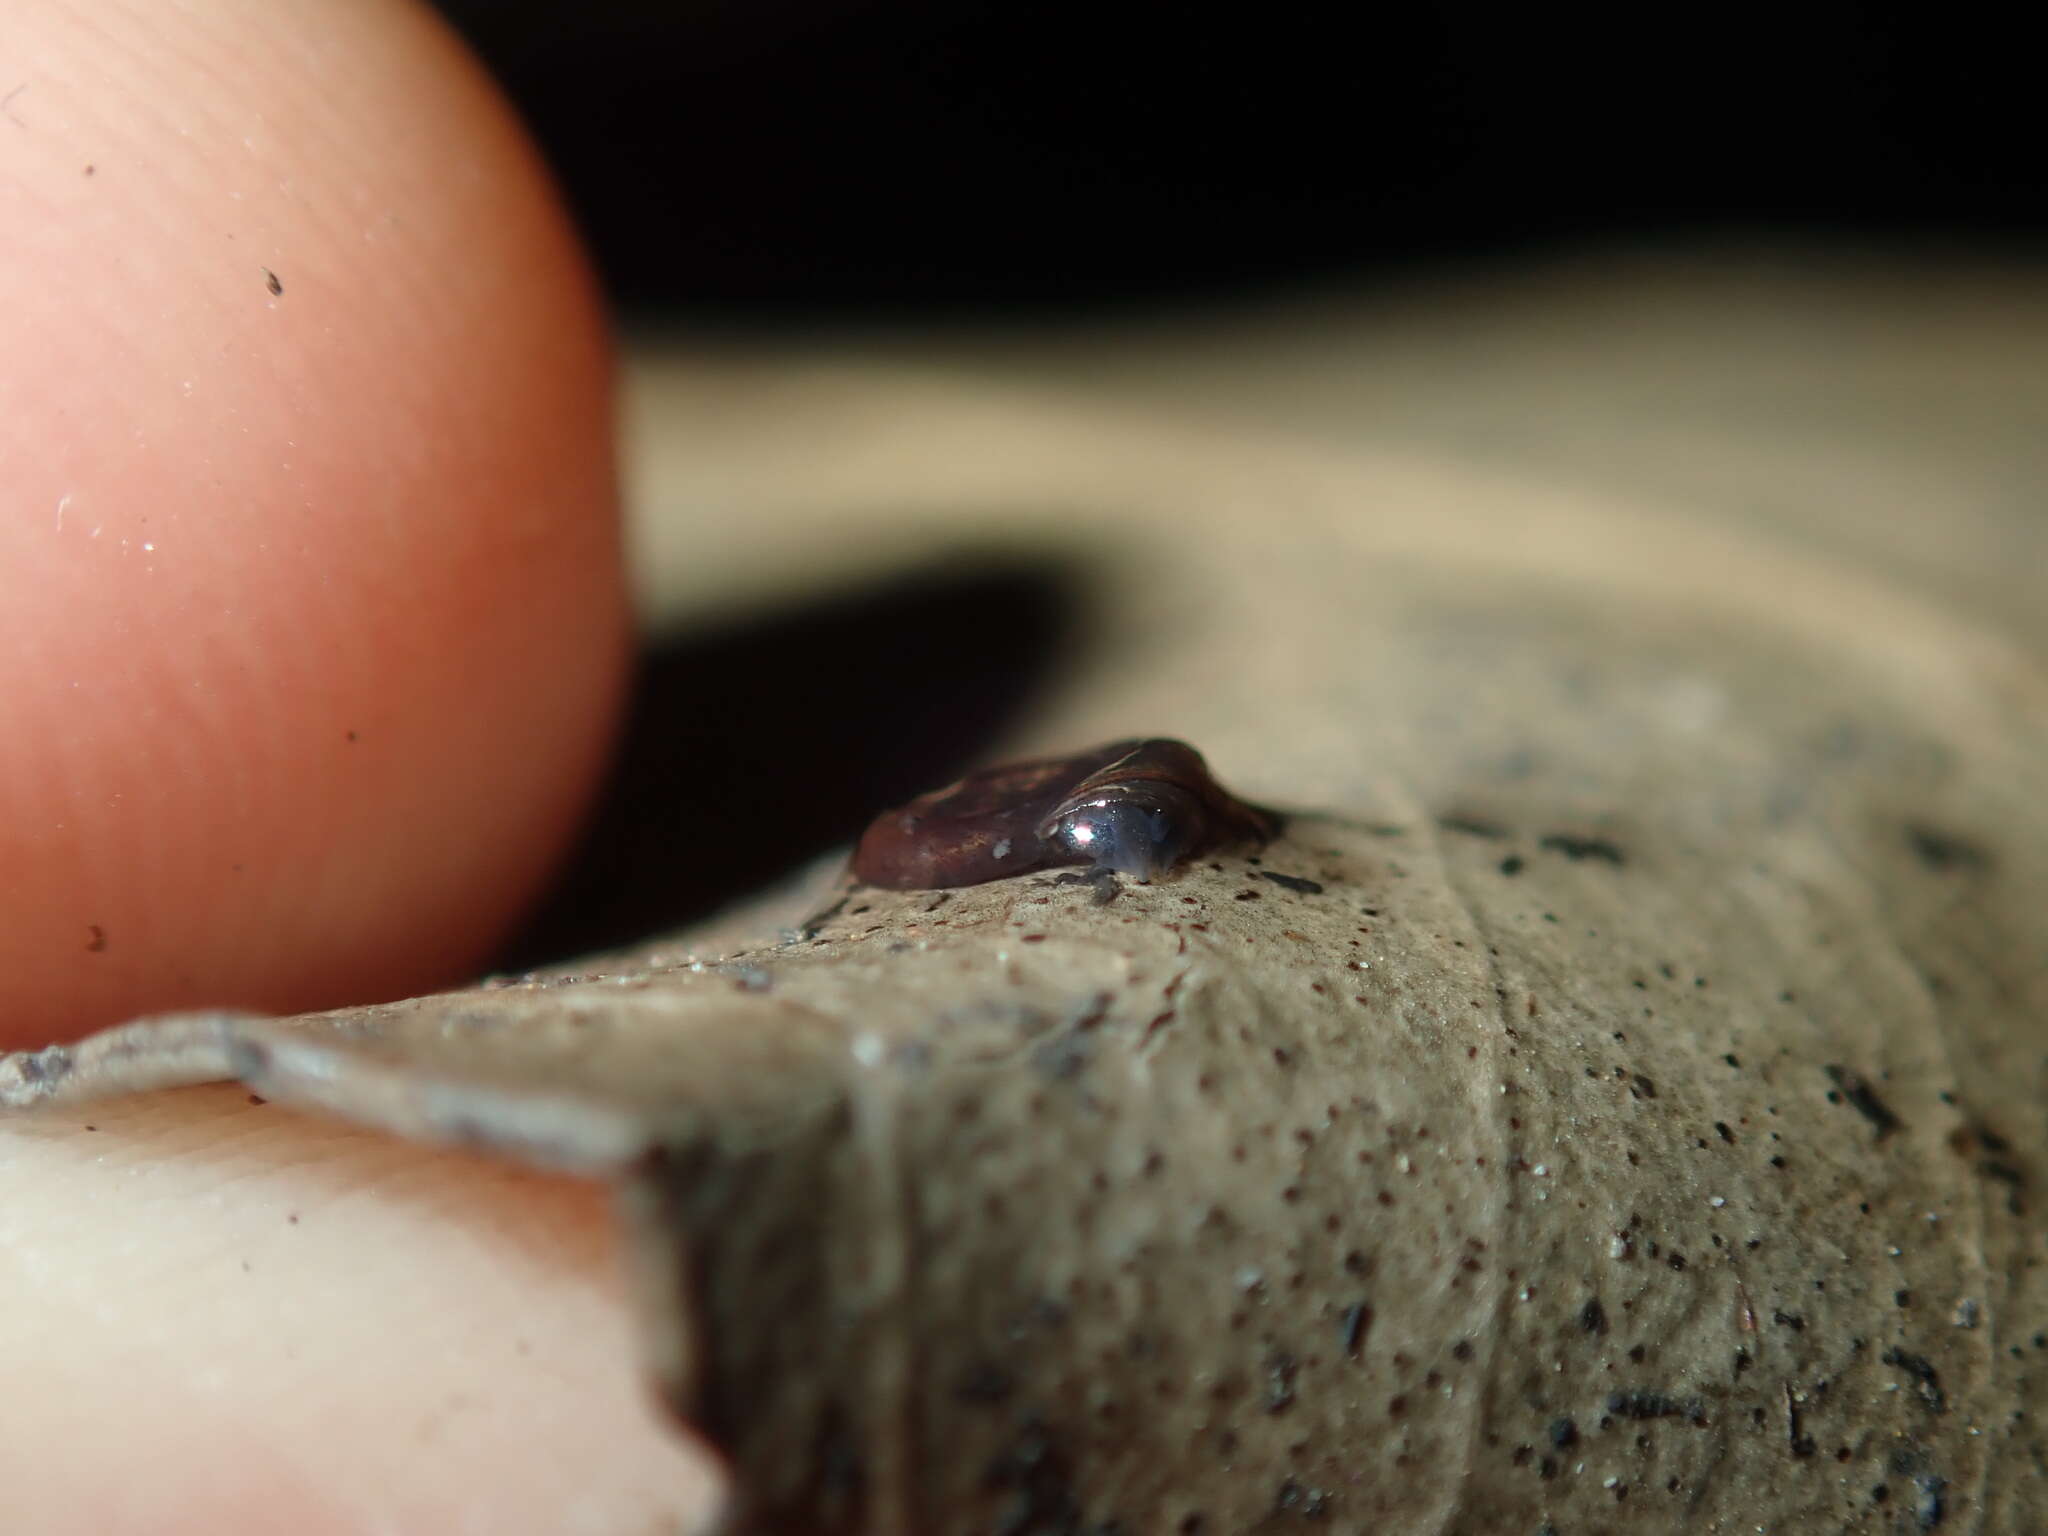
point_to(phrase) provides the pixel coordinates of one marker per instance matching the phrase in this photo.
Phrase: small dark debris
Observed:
(1296, 883)
(1564, 1434)
(1641, 1087)
(1040, 1477)
(1926, 1380)
(2005, 1173)
(1800, 1444)
(96, 939)
(1247, 896)
(1943, 851)
(985, 1382)
(1091, 1012)
(1063, 1056)
(258, 1099)
(1932, 1506)
(1473, 826)
(1353, 1326)
(1790, 1320)
(1593, 1316)
(270, 281)
(1580, 848)
(1293, 1499)
(1856, 1091)
(1721, 1130)
(1513, 864)
(1100, 880)
(809, 927)
(1281, 1369)
(1656, 1405)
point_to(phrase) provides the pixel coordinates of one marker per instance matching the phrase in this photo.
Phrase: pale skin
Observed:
(311, 639)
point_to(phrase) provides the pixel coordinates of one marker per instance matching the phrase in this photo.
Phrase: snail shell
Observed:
(1134, 807)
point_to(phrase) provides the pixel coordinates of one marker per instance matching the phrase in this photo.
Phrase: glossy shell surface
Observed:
(1135, 807)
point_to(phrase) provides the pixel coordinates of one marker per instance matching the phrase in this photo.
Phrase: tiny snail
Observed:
(1133, 807)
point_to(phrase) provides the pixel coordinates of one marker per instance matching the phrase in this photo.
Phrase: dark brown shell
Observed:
(1137, 807)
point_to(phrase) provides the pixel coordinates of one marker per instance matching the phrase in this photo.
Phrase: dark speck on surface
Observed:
(985, 1382)
(1655, 1405)
(1293, 1498)
(1932, 1506)
(1856, 1092)
(1579, 848)
(1943, 852)
(271, 282)
(1513, 864)
(1353, 1326)
(810, 926)
(1297, 883)
(1473, 826)
(1926, 1380)
(1281, 1369)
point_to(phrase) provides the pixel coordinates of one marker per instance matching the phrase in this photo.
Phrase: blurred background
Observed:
(1780, 268)
(802, 158)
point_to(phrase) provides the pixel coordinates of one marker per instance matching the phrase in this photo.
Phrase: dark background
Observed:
(761, 160)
